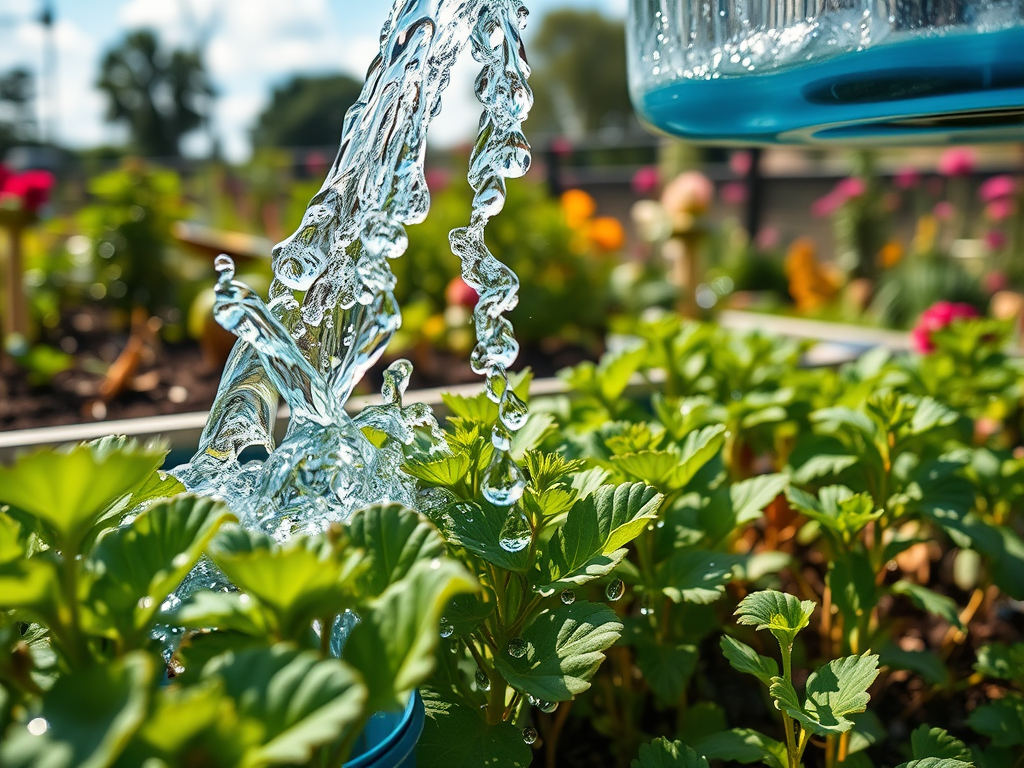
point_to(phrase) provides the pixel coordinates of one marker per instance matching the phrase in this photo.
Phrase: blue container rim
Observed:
(407, 730)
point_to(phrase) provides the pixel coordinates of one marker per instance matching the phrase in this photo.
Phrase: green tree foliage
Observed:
(579, 73)
(16, 122)
(307, 111)
(160, 95)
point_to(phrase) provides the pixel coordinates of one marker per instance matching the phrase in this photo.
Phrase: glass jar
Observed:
(843, 71)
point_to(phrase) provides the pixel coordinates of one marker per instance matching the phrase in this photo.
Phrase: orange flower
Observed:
(607, 234)
(810, 285)
(577, 206)
(891, 254)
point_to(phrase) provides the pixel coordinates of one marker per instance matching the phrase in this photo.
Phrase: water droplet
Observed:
(516, 533)
(225, 268)
(517, 647)
(145, 603)
(447, 629)
(529, 734)
(646, 606)
(503, 481)
(38, 726)
(483, 682)
(512, 411)
(547, 707)
(615, 590)
(454, 645)
(568, 596)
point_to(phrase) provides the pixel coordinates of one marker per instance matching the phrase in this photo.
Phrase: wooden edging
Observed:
(183, 430)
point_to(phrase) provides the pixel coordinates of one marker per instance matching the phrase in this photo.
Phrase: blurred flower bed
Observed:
(117, 314)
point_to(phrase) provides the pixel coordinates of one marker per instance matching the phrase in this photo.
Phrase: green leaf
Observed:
(444, 472)
(134, 568)
(695, 575)
(745, 659)
(670, 470)
(930, 414)
(91, 715)
(750, 497)
(301, 700)
(935, 742)
(852, 581)
(538, 426)
(936, 762)
(465, 612)
(841, 419)
(393, 644)
(158, 485)
(13, 543)
(298, 582)
(662, 753)
(596, 529)
(68, 491)
(924, 598)
(1001, 720)
(32, 585)
(744, 745)
(478, 527)
(395, 538)
(838, 508)
(834, 691)
(927, 665)
(1001, 661)
(455, 736)
(234, 611)
(545, 470)
(781, 614)
(666, 667)
(564, 648)
(193, 725)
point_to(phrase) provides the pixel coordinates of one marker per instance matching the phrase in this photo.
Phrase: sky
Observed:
(251, 45)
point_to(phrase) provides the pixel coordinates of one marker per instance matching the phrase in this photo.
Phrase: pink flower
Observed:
(740, 162)
(646, 180)
(957, 161)
(997, 188)
(943, 210)
(560, 146)
(995, 240)
(767, 239)
(437, 179)
(996, 281)
(827, 205)
(1001, 209)
(938, 316)
(733, 193)
(907, 178)
(851, 187)
(689, 193)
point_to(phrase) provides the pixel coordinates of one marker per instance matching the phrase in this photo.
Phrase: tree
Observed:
(161, 96)
(579, 74)
(16, 120)
(307, 111)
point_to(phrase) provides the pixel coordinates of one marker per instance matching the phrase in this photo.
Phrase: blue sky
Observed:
(251, 46)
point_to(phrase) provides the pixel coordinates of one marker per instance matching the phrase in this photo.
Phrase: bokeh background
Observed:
(140, 138)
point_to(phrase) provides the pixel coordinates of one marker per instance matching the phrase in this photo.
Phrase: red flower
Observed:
(460, 294)
(31, 188)
(851, 187)
(943, 210)
(935, 318)
(645, 180)
(827, 205)
(733, 193)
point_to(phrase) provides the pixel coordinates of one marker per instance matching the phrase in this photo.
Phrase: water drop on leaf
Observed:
(529, 734)
(482, 681)
(615, 590)
(568, 596)
(517, 647)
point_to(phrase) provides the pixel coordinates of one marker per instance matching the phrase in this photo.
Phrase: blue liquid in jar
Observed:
(942, 89)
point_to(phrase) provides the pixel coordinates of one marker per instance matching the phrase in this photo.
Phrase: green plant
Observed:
(87, 571)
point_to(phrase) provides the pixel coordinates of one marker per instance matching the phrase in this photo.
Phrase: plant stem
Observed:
(787, 721)
(551, 740)
(496, 703)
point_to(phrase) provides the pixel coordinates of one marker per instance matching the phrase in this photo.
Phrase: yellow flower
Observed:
(810, 285)
(927, 231)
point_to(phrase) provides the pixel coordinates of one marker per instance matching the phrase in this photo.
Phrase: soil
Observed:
(183, 377)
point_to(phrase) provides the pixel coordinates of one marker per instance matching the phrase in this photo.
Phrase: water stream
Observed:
(331, 310)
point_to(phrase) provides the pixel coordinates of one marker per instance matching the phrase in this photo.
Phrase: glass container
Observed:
(835, 71)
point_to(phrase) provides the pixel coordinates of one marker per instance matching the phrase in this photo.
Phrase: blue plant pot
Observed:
(389, 739)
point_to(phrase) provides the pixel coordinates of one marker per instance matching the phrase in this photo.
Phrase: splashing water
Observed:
(331, 309)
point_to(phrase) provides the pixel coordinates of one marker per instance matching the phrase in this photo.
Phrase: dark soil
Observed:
(180, 378)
